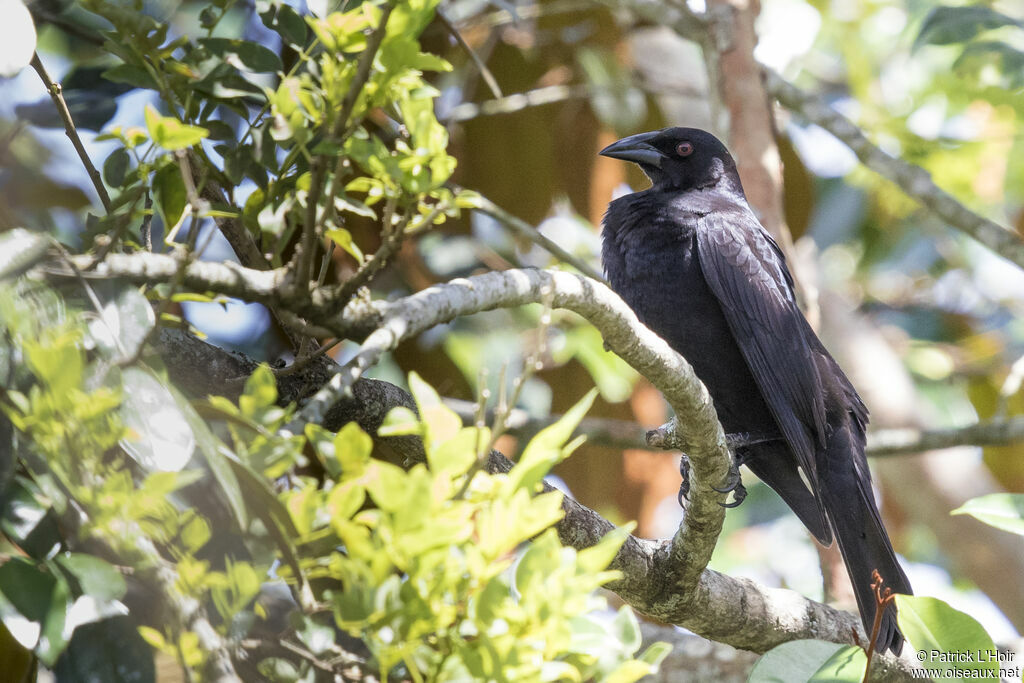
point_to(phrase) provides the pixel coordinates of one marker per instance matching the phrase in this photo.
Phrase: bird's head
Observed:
(679, 158)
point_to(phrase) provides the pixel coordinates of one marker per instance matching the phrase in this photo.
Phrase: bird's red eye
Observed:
(684, 149)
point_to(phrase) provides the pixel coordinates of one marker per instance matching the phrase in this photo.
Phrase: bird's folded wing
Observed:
(747, 274)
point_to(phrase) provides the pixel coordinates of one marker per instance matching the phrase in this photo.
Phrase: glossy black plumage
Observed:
(692, 260)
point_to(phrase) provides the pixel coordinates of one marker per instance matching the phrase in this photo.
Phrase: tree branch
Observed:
(738, 612)
(531, 233)
(54, 91)
(913, 180)
(625, 434)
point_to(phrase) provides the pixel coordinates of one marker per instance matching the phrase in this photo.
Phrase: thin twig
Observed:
(485, 73)
(341, 124)
(54, 90)
(531, 233)
(916, 182)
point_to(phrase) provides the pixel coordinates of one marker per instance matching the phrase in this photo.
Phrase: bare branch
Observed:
(54, 91)
(903, 441)
(485, 73)
(913, 180)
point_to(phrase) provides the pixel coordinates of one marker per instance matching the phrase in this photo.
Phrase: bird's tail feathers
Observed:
(863, 541)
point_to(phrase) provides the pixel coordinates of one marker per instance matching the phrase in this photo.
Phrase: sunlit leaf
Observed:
(1002, 510)
(931, 625)
(169, 132)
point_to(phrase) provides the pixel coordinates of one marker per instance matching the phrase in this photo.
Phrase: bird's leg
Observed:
(684, 485)
(745, 439)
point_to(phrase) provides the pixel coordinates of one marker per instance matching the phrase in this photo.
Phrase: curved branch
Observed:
(695, 417)
(916, 182)
(738, 612)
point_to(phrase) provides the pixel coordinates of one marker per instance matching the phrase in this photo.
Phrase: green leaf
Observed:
(243, 54)
(549, 447)
(981, 55)
(131, 75)
(20, 249)
(941, 632)
(1002, 510)
(115, 167)
(946, 25)
(98, 578)
(17, 38)
(598, 556)
(400, 421)
(343, 238)
(352, 448)
(169, 132)
(802, 660)
(40, 597)
(387, 484)
(441, 423)
(846, 664)
(170, 196)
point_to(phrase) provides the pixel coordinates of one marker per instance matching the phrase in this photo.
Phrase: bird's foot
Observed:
(734, 482)
(684, 485)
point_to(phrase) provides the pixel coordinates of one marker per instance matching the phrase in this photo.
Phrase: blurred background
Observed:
(927, 322)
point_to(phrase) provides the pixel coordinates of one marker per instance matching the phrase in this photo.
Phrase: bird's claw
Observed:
(733, 484)
(684, 485)
(739, 494)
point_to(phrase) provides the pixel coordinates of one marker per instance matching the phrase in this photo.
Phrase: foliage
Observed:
(940, 636)
(316, 136)
(422, 565)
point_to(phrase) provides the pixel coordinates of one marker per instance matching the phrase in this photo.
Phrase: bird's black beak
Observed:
(635, 148)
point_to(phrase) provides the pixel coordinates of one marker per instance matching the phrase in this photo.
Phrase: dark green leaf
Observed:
(946, 25)
(130, 74)
(97, 577)
(249, 55)
(1008, 61)
(287, 23)
(26, 587)
(107, 651)
(28, 521)
(219, 130)
(115, 167)
(170, 195)
(214, 452)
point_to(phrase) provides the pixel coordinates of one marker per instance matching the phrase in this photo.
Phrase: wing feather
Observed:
(747, 273)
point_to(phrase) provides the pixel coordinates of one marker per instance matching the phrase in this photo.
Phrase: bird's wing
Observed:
(747, 274)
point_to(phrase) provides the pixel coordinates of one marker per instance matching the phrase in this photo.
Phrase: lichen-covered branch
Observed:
(738, 612)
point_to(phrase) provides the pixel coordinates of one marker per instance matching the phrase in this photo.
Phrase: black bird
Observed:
(692, 260)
